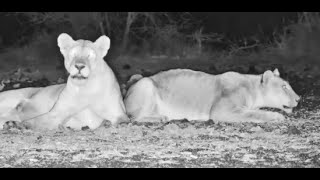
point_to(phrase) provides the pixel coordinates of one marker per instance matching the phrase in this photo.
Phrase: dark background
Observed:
(244, 23)
(233, 24)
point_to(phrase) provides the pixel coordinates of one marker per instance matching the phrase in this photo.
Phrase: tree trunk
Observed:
(107, 20)
(130, 19)
(102, 29)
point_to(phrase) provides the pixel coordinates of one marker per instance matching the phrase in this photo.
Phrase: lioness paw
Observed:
(276, 117)
(121, 120)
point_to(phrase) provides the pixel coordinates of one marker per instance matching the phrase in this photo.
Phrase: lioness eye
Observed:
(90, 56)
(284, 86)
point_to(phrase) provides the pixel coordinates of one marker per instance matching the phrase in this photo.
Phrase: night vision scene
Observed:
(159, 89)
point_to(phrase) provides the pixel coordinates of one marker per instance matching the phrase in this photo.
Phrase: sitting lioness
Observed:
(232, 97)
(90, 96)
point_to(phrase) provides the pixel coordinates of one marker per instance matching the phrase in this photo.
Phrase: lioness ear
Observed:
(266, 76)
(103, 45)
(65, 42)
(276, 72)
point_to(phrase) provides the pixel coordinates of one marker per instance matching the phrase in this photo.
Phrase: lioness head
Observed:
(277, 92)
(82, 57)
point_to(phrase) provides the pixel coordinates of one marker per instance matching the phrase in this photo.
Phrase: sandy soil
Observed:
(294, 143)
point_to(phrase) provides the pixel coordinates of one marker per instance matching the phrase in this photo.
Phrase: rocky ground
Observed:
(293, 143)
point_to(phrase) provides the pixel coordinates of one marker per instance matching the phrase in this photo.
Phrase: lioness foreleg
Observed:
(262, 116)
(245, 115)
(115, 114)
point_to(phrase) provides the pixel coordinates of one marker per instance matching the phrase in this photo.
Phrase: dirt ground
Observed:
(293, 143)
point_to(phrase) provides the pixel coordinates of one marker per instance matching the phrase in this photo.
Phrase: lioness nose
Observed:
(79, 66)
(298, 99)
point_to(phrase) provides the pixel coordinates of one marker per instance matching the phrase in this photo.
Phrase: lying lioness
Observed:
(186, 94)
(90, 96)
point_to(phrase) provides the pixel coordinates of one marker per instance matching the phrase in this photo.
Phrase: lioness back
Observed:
(185, 93)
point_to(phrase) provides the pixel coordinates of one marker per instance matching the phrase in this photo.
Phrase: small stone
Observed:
(2, 86)
(16, 85)
(256, 129)
(292, 130)
(60, 80)
(38, 150)
(85, 128)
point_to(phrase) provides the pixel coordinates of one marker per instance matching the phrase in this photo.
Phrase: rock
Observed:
(16, 85)
(292, 130)
(256, 129)
(2, 85)
(60, 80)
